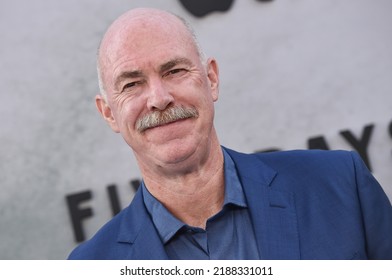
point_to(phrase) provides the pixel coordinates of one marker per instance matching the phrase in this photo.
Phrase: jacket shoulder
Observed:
(297, 160)
(314, 159)
(303, 170)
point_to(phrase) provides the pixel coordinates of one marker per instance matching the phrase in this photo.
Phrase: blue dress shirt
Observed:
(228, 235)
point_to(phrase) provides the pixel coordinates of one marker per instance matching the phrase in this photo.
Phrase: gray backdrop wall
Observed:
(294, 75)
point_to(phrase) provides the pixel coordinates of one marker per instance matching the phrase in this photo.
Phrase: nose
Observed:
(159, 96)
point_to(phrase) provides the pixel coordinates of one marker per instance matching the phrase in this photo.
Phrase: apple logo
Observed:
(201, 8)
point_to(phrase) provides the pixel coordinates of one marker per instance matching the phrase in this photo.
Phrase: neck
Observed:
(195, 195)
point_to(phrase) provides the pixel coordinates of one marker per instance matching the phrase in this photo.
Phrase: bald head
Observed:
(136, 28)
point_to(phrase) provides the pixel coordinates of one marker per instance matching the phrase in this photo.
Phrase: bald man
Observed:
(199, 200)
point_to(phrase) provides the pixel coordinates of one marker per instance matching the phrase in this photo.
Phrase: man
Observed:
(199, 200)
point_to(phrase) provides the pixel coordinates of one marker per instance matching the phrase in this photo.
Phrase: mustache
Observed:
(169, 115)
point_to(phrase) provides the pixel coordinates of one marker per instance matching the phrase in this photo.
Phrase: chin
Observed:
(177, 153)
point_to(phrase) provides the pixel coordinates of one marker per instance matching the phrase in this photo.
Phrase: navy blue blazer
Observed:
(303, 205)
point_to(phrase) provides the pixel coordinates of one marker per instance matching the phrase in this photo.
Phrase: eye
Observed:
(130, 86)
(175, 72)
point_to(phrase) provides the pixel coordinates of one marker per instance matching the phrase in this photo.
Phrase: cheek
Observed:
(128, 111)
(199, 91)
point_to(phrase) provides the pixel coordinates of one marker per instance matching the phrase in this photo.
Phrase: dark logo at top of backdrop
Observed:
(201, 8)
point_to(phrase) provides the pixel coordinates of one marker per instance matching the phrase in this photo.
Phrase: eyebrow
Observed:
(174, 62)
(126, 75)
(163, 68)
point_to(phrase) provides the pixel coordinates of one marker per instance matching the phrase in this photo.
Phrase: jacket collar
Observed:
(137, 228)
(272, 208)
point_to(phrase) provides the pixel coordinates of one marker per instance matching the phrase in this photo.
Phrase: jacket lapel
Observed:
(272, 209)
(138, 230)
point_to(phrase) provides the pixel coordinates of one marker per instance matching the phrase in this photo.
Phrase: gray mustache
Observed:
(169, 115)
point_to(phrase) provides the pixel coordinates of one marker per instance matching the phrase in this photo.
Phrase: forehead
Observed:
(143, 38)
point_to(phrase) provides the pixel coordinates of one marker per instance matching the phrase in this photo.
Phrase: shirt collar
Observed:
(167, 225)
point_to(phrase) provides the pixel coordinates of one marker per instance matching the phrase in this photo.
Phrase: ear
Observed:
(106, 112)
(213, 77)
